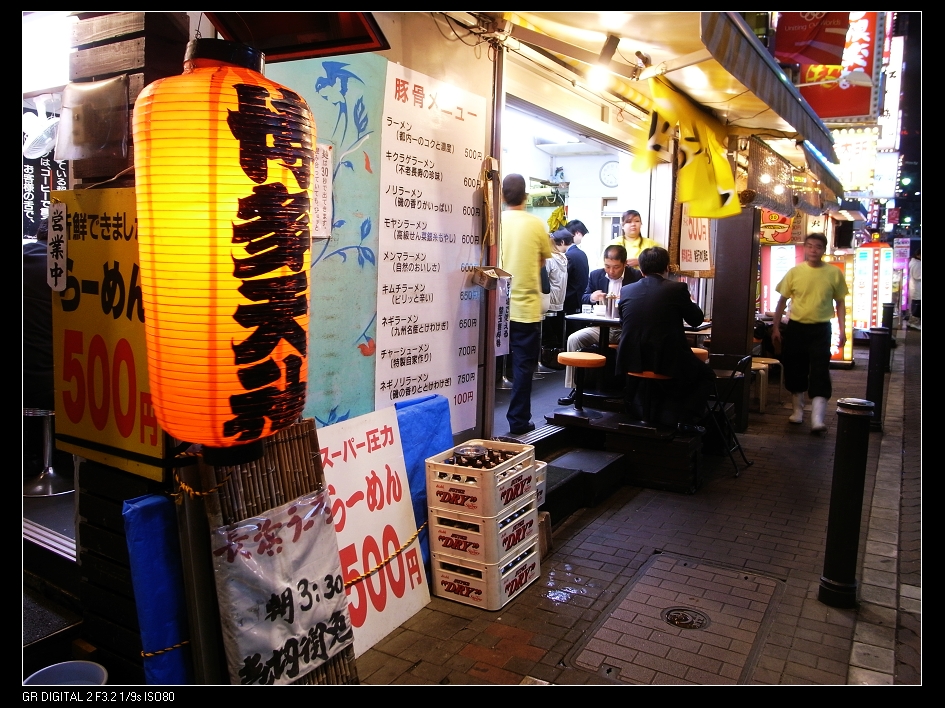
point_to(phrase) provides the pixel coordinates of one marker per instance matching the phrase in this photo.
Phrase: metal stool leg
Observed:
(48, 483)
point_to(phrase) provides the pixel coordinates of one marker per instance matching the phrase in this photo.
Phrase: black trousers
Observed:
(805, 355)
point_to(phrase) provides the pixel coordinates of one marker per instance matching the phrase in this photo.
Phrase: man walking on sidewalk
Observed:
(816, 291)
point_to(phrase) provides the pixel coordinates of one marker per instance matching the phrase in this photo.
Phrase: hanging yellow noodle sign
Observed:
(704, 179)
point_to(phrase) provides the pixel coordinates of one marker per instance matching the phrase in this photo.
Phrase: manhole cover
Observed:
(685, 618)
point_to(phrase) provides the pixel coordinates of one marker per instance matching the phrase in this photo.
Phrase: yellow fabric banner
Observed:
(705, 179)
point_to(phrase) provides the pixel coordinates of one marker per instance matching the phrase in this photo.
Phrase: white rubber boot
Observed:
(818, 409)
(798, 416)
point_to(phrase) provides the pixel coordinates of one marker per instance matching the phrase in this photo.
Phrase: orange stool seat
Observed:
(582, 360)
(703, 354)
(649, 375)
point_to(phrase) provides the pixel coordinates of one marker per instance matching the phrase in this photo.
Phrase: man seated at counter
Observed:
(601, 283)
(653, 338)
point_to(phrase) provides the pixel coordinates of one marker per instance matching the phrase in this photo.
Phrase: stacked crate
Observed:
(483, 525)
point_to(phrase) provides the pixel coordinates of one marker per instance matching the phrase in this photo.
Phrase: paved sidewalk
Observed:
(620, 569)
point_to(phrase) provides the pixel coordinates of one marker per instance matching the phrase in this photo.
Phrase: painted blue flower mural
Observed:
(346, 98)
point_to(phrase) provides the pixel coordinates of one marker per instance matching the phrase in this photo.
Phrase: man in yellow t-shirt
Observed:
(524, 247)
(632, 239)
(816, 291)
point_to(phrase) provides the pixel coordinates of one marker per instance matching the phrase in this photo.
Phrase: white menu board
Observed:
(428, 312)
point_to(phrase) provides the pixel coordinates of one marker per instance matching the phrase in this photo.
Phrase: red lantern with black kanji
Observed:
(224, 173)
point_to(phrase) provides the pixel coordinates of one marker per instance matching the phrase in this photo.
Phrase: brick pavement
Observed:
(770, 521)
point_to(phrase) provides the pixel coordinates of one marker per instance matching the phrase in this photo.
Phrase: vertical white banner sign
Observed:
(432, 144)
(503, 303)
(321, 204)
(370, 505)
(693, 242)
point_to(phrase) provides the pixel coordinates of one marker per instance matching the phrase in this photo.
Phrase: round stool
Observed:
(649, 380)
(762, 374)
(703, 354)
(581, 361)
(772, 362)
(47, 483)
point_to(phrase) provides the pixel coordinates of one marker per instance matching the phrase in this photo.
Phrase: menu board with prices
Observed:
(428, 310)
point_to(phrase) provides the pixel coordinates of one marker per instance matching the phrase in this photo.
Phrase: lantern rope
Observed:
(165, 651)
(191, 492)
(387, 560)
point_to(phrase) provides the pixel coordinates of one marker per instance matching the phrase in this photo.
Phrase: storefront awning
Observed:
(733, 45)
(822, 171)
(713, 57)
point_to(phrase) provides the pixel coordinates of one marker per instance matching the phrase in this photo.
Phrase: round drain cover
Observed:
(685, 618)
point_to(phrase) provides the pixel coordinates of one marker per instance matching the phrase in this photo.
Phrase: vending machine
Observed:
(843, 357)
(872, 284)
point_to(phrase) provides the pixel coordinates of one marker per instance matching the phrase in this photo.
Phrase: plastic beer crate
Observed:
(484, 492)
(484, 540)
(487, 585)
(541, 481)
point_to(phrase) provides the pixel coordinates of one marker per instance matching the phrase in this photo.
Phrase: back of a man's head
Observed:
(513, 190)
(654, 260)
(576, 227)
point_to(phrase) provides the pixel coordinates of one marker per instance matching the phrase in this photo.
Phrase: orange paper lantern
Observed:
(224, 163)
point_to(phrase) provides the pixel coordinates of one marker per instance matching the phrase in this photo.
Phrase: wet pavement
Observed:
(720, 586)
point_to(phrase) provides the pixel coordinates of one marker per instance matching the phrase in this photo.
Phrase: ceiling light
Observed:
(613, 20)
(599, 75)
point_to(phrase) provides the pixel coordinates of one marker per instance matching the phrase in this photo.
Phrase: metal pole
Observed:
(488, 361)
(888, 324)
(838, 583)
(876, 373)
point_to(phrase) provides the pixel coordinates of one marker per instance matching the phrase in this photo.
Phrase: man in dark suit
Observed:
(601, 283)
(578, 269)
(652, 312)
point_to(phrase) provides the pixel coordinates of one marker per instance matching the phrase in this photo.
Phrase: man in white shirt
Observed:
(915, 291)
(601, 283)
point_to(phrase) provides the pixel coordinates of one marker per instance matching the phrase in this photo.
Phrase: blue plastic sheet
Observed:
(425, 430)
(157, 577)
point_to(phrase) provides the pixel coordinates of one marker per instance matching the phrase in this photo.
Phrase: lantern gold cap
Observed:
(229, 52)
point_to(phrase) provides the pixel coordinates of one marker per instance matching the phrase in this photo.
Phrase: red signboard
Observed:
(811, 37)
(840, 99)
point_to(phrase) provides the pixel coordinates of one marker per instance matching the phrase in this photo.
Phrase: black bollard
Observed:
(876, 373)
(888, 324)
(838, 583)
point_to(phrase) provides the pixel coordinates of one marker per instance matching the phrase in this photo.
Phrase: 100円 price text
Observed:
(124, 696)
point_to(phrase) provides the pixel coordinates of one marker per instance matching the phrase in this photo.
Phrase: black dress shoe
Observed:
(567, 400)
(527, 429)
(690, 429)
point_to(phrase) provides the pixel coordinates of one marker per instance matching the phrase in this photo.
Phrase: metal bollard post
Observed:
(838, 583)
(876, 373)
(888, 324)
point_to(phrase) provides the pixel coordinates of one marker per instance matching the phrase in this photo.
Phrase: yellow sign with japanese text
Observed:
(103, 400)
